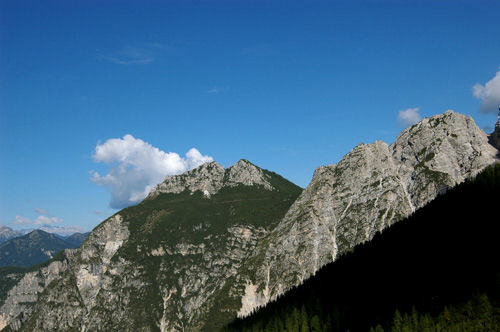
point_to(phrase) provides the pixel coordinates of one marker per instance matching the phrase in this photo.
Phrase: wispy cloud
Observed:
(489, 94)
(46, 222)
(137, 166)
(97, 212)
(218, 89)
(42, 211)
(40, 220)
(136, 55)
(409, 116)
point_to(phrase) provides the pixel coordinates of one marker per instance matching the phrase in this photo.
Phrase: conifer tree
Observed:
(397, 324)
(315, 324)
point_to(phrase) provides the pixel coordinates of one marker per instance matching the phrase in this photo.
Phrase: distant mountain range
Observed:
(35, 247)
(214, 244)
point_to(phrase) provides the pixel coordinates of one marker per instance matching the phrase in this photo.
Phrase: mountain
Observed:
(7, 233)
(76, 239)
(181, 251)
(32, 248)
(372, 187)
(441, 256)
(214, 243)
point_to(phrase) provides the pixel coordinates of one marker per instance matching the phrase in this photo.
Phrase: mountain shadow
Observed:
(445, 255)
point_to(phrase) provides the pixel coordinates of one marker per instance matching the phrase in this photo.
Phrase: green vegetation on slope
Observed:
(10, 275)
(438, 270)
(192, 222)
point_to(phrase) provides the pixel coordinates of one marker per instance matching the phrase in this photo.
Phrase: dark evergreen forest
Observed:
(437, 270)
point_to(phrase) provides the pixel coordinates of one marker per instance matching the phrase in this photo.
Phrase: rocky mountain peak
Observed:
(191, 263)
(206, 178)
(246, 173)
(440, 152)
(210, 177)
(370, 188)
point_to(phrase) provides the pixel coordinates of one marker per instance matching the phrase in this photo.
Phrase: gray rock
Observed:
(210, 177)
(205, 273)
(372, 187)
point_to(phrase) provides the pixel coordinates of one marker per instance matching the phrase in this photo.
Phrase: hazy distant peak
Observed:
(7, 233)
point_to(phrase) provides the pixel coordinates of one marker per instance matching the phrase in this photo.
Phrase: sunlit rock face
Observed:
(214, 243)
(210, 177)
(172, 263)
(372, 187)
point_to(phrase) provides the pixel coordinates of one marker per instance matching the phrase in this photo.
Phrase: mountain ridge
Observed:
(194, 260)
(210, 177)
(370, 188)
(439, 256)
(33, 248)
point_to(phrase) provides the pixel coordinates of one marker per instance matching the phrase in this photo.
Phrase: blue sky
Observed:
(289, 85)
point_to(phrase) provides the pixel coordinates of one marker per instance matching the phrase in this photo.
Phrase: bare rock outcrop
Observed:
(372, 187)
(214, 243)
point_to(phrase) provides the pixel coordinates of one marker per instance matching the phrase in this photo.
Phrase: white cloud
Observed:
(409, 116)
(489, 94)
(40, 220)
(137, 166)
(145, 54)
(18, 220)
(132, 56)
(42, 211)
(46, 222)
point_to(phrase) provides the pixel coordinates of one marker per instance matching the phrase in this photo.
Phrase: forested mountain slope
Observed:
(32, 248)
(214, 243)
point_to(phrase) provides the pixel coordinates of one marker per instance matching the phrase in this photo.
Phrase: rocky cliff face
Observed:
(372, 187)
(171, 263)
(214, 243)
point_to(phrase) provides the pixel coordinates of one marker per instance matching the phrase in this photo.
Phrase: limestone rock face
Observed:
(244, 172)
(372, 187)
(207, 178)
(440, 152)
(65, 291)
(172, 263)
(210, 177)
(20, 298)
(214, 243)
